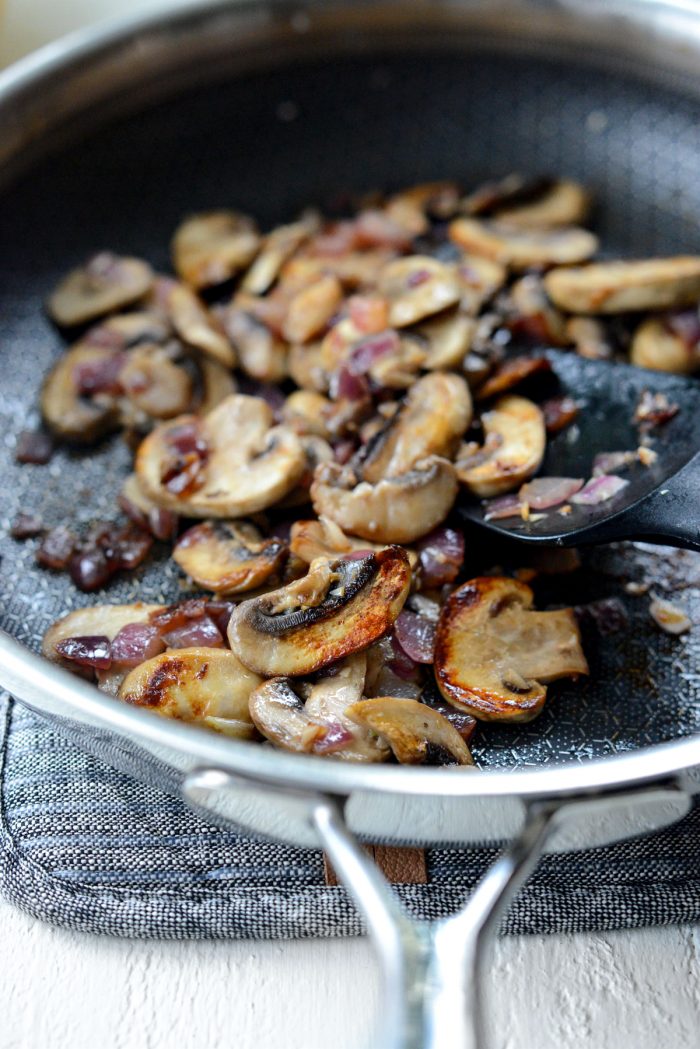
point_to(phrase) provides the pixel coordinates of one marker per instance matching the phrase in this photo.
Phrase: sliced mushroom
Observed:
(196, 326)
(261, 353)
(449, 338)
(621, 287)
(228, 557)
(305, 411)
(104, 284)
(431, 422)
(230, 463)
(416, 733)
(311, 540)
(522, 248)
(319, 725)
(312, 308)
(154, 384)
(277, 247)
(216, 384)
(494, 655)
(104, 620)
(316, 451)
(395, 510)
(339, 608)
(211, 248)
(531, 314)
(195, 684)
(410, 209)
(562, 203)
(123, 331)
(65, 411)
(417, 287)
(510, 373)
(162, 524)
(480, 279)
(589, 337)
(513, 449)
(656, 346)
(306, 367)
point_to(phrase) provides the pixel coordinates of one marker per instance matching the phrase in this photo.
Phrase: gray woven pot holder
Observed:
(84, 846)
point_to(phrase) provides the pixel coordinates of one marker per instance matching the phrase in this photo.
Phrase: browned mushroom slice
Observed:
(416, 733)
(494, 655)
(126, 330)
(228, 557)
(522, 248)
(195, 684)
(562, 203)
(230, 463)
(480, 279)
(449, 338)
(261, 353)
(196, 326)
(67, 403)
(532, 315)
(215, 384)
(104, 284)
(143, 511)
(339, 608)
(655, 345)
(431, 421)
(395, 510)
(306, 367)
(510, 373)
(621, 287)
(410, 209)
(589, 337)
(311, 540)
(277, 247)
(211, 248)
(154, 384)
(316, 451)
(417, 287)
(312, 308)
(305, 411)
(513, 449)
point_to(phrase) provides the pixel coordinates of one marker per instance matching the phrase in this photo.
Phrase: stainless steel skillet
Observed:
(107, 140)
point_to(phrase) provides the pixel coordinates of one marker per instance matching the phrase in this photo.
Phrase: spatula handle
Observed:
(670, 514)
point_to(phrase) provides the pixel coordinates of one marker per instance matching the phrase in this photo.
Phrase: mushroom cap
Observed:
(523, 248)
(250, 465)
(655, 346)
(339, 608)
(228, 557)
(449, 336)
(416, 733)
(194, 684)
(196, 326)
(154, 384)
(494, 655)
(562, 203)
(621, 287)
(515, 432)
(65, 412)
(104, 284)
(395, 510)
(417, 286)
(262, 355)
(211, 247)
(105, 620)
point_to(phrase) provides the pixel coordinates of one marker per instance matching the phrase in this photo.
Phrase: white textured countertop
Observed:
(67, 990)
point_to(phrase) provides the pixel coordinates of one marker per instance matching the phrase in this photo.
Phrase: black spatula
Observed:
(661, 502)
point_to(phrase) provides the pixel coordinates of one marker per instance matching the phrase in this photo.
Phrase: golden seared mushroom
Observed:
(154, 384)
(195, 325)
(449, 339)
(395, 509)
(513, 449)
(410, 209)
(622, 287)
(310, 718)
(106, 620)
(561, 203)
(317, 451)
(494, 655)
(306, 411)
(230, 463)
(531, 313)
(262, 355)
(162, 524)
(589, 337)
(228, 557)
(480, 279)
(340, 607)
(209, 686)
(416, 287)
(655, 345)
(311, 540)
(312, 308)
(417, 734)
(431, 421)
(104, 284)
(306, 367)
(522, 248)
(68, 397)
(126, 330)
(215, 384)
(277, 247)
(212, 247)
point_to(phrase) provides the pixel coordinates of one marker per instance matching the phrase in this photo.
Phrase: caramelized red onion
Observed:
(371, 349)
(416, 635)
(336, 737)
(441, 554)
(545, 492)
(34, 447)
(198, 633)
(502, 507)
(135, 643)
(599, 490)
(90, 650)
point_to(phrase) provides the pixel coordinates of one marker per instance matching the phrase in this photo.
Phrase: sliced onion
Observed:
(401, 664)
(599, 490)
(99, 376)
(371, 349)
(416, 636)
(441, 554)
(346, 386)
(608, 462)
(686, 325)
(504, 506)
(220, 613)
(335, 738)
(89, 650)
(544, 492)
(34, 447)
(135, 643)
(175, 616)
(199, 633)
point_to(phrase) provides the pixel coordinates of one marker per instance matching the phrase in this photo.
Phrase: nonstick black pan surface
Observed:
(272, 143)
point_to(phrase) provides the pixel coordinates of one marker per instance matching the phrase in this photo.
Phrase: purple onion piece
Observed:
(90, 569)
(89, 650)
(441, 554)
(135, 643)
(34, 447)
(371, 349)
(401, 664)
(502, 507)
(545, 492)
(56, 548)
(220, 612)
(26, 526)
(609, 462)
(345, 386)
(599, 490)
(416, 635)
(200, 633)
(100, 375)
(336, 737)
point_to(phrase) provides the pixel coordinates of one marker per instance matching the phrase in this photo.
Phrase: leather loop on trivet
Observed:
(400, 866)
